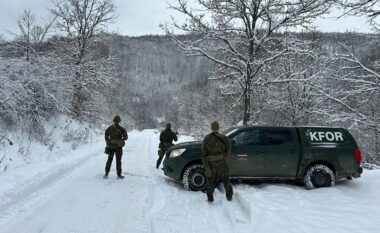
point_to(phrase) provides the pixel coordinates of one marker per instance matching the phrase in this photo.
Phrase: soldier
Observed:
(166, 140)
(115, 137)
(215, 149)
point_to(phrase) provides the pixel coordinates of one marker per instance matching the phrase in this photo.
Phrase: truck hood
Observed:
(187, 145)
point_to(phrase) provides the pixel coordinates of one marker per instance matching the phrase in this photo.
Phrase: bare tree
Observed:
(354, 85)
(31, 35)
(26, 24)
(242, 36)
(352, 89)
(358, 87)
(82, 21)
(292, 81)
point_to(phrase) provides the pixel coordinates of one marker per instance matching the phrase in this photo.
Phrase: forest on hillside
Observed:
(266, 76)
(155, 82)
(161, 83)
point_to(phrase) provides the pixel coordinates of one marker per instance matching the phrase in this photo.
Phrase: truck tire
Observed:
(194, 178)
(318, 176)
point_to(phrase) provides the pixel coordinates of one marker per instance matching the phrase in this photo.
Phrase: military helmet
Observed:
(215, 126)
(117, 119)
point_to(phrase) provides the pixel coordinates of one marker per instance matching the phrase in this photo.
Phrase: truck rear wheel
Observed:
(194, 178)
(318, 176)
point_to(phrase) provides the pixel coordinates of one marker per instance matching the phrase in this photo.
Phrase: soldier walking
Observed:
(166, 140)
(115, 137)
(215, 149)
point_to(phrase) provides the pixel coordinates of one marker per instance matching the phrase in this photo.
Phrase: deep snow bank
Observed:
(26, 162)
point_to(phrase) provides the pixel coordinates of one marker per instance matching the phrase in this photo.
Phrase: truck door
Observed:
(282, 152)
(246, 159)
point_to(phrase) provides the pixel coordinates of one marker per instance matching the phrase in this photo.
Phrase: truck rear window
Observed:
(277, 136)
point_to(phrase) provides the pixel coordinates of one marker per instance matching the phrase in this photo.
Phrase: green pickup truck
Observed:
(316, 156)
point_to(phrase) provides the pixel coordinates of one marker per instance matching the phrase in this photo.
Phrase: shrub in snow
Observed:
(77, 137)
(4, 142)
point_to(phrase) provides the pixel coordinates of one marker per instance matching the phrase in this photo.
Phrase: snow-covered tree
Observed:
(32, 86)
(241, 36)
(366, 8)
(291, 82)
(82, 23)
(354, 80)
(35, 92)
(353, 87)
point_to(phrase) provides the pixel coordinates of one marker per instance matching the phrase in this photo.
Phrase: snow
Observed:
(68, 195)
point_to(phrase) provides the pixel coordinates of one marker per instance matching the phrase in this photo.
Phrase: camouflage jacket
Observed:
(114, 135)
(166, 138)
(215, 147)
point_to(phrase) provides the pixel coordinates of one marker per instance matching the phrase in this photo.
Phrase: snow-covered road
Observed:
(76, 199)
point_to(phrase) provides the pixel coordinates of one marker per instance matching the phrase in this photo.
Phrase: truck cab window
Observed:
(251, 137)
(277, 136)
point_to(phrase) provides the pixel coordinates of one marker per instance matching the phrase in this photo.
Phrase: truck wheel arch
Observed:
(189, 164)
(322, 162)
(319, 175)
(193, 177)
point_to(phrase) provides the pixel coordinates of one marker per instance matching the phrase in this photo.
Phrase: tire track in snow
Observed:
(70, 210)
(238, 210)
(143, 202)
(149, 199)
(47, 201)
(139, 178)
(236, 213)
(155, 192)
(87, 221)
(29, 196)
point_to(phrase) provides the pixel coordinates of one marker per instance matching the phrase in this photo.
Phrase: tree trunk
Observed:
(247, 91)
(247, 100)
(246, 108)
(76, 103)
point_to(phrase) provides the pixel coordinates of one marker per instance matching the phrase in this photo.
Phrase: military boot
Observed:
(105, 176)
(120, 177)
(210, 198)
(229, 192)
(157, 164)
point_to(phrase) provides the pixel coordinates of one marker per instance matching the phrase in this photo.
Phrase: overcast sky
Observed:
(141, 17)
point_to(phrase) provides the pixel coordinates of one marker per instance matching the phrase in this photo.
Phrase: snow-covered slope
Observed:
(71, 196)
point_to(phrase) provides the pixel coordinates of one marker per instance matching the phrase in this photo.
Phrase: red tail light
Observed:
(358, 156)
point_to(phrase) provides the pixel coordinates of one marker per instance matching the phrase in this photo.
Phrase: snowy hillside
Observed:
(69, 195)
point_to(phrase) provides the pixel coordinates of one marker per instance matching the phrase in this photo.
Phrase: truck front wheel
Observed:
(318, 176)
(194, 178)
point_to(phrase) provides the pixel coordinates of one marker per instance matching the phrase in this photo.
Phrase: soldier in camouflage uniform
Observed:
(115, 137)
(166, 140)
(215, 149)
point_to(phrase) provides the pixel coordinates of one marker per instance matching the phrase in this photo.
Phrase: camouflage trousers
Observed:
(119, 153)
(161, 154)
(219, 171)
